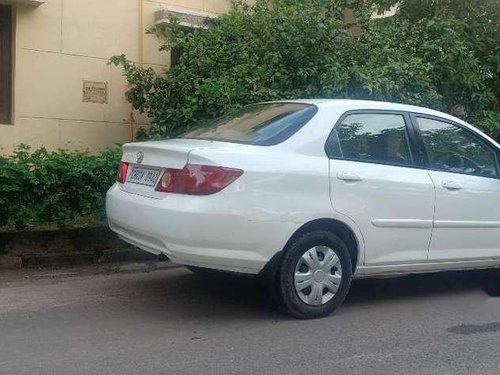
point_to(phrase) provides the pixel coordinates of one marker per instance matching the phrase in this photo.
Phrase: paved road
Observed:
(171, 322)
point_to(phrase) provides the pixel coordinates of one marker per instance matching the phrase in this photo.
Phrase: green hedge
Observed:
(440, 54)
(59, 187)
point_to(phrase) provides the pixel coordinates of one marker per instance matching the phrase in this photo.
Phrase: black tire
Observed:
(284, 286)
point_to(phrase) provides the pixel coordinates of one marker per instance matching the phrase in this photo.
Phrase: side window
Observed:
(375, 138)
(451, 148)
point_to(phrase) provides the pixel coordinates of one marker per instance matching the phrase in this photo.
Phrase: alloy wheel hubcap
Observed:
(318, 275)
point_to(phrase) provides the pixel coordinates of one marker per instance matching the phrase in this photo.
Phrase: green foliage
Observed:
(60, 186)
(435, 53)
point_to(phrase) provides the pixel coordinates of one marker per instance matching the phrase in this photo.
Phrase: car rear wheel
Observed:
(315, 275)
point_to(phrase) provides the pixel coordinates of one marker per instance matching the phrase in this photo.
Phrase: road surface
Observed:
(172, 322)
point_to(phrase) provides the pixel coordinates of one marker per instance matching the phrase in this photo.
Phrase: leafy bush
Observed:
(438, 53)
(60, 186)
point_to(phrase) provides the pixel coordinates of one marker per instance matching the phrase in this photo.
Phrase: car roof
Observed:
(354, 104)
(351, 104)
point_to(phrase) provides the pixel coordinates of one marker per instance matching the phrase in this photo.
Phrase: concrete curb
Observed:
(67, 247)
(41, 273)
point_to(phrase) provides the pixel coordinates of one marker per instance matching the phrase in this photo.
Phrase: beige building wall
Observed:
(59, 44)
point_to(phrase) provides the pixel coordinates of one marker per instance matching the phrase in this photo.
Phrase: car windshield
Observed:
(258, 124)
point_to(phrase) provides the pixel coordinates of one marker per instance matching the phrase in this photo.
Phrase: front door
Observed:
(376, 180)
(465, 171)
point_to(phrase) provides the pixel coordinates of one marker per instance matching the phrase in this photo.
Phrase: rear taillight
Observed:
(196, 179)
(121, 176)
(166, 183)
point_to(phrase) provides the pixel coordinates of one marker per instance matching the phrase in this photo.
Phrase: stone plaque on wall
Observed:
(95, 92)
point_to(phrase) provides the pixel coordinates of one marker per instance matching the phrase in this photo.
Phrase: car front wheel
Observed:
(315, 275)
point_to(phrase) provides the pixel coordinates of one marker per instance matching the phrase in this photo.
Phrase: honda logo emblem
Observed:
(140, 157)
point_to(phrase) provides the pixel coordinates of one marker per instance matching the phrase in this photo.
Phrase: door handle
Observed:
(350, 177)
(452, 185)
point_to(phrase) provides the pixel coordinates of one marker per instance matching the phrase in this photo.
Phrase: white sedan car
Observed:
(311, 193)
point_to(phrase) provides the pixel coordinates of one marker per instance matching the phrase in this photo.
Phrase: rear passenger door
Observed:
(464, 167)
(377, 180)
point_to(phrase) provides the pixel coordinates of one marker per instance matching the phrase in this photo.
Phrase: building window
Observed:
(188, 19)
(175, 56)
(176, 51)
(5, 64)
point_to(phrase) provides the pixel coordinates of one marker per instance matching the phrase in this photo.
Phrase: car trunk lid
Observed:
(147, 160)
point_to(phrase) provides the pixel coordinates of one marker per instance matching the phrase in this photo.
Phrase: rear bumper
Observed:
(199, 231)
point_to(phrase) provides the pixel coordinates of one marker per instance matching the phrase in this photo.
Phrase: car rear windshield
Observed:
(257, 124)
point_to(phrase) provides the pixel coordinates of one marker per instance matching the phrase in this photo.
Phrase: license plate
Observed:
(143, 176)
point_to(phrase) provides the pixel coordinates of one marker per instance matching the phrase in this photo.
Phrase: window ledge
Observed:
(24, 2)
(187, 17)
